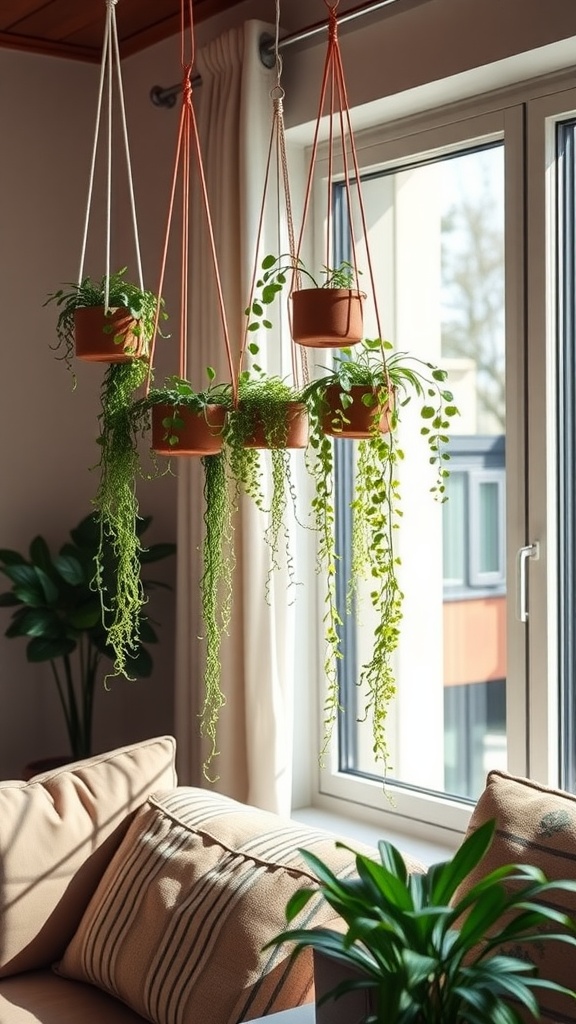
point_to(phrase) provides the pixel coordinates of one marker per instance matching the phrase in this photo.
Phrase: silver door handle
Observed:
(524, 553)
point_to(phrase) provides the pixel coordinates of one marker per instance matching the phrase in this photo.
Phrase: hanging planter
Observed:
(357, 413)
(187, 422)
(115, 333)
(327, 317)
(107, 336)
(177, 430)
(111, 321)
(362, 398)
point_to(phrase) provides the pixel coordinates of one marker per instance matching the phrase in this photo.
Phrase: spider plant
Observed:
(422, 953)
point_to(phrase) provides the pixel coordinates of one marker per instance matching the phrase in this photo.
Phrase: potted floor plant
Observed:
(57, 610)
(363, 397)
(424, 955)
(327, 314)
(110, 321)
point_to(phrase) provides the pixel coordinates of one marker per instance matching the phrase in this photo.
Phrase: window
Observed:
(474, 519)
(451, 211)
(472, 220)
(566, 258)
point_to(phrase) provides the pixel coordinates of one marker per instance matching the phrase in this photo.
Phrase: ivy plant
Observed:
(275, 273)
(393, 381)
(141, 304)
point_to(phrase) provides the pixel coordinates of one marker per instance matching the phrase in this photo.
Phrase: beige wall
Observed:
(47, 432)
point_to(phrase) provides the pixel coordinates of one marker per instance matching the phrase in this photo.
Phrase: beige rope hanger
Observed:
(110, 67)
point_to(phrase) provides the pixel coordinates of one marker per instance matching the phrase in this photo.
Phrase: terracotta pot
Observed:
(201, 433)
(297, 429)
(95, 334)
(360, 417)
(327, 317)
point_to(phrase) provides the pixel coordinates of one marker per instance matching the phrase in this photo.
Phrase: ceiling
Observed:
(74, 28)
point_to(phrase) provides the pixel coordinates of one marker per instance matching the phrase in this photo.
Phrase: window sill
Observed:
(426, 851)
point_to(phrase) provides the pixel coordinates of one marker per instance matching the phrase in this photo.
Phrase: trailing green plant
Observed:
(263, 406)
(425, 954)
(124, 421)
(376, 507)
(141, 304)
(116, 503)
(216, 592)
(57, 609)
(275, 273)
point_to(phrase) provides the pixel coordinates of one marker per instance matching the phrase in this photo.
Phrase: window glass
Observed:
(436, 234)
(489, 528)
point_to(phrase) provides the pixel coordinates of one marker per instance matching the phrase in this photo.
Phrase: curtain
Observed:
(234, 112)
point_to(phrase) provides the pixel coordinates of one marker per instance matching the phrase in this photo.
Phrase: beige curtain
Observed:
(234, 112)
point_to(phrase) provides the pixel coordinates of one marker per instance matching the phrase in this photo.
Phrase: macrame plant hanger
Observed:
(110, 69)
(277, 159)
(187, 147)
(333, 90)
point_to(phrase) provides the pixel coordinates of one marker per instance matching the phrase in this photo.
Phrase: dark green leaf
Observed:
(70, 569)
(41, 649)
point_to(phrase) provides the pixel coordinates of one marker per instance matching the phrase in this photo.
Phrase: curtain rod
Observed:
(166, 97)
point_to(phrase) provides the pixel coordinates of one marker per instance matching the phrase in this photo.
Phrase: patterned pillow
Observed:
(199, 885)
(57, 834)
(534, 825)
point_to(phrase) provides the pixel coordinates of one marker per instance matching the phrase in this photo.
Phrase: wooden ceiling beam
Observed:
(49, 48)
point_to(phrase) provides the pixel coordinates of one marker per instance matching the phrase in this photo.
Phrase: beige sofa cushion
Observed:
(57, 834)
(39, 997)
(534, 825)
(198, 886)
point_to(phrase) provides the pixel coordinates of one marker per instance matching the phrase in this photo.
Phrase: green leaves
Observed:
(31, 585)
(276, 272)
(57, 610)
(141, 304)
(427, 959)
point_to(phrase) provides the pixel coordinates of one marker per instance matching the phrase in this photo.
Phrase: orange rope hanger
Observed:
(166, 96)
(188, 144)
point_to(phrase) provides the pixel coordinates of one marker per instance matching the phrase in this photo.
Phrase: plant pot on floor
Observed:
(293, 435)
(356, 419)
(327, 317)
(101, 337)
(178, 430)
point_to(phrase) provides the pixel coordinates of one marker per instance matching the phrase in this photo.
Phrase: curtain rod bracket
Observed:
(164, 97)
(266, 50)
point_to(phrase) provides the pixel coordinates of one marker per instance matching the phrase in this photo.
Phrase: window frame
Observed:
(530, 314)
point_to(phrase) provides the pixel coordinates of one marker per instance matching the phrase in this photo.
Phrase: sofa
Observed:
(125, 897)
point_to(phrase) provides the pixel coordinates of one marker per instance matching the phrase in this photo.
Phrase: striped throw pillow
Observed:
(534, 825)
(176, 928)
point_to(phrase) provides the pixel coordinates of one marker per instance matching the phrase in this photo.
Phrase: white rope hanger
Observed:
(110, 61)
